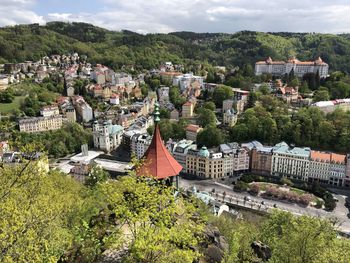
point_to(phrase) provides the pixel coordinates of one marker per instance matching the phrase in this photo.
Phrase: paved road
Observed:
(256, 202)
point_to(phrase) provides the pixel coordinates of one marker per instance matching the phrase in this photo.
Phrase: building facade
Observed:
(40, 124)
(261, 160)
(279, 68)
(139, 144)
(292, 162)
(187, 110)
(204, 164)
(106, 136)
(192, 132)
(180, 151)
(230, 118)
(83, 108)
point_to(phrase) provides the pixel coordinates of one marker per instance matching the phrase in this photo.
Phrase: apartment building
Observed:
(205, 164)
(289, 161)
(40, 124)
(180, 151)
(139, 144)
(49, 110)
(279, 68)
(187, 109)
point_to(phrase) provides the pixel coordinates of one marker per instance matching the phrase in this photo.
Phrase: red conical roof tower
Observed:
(158, 162)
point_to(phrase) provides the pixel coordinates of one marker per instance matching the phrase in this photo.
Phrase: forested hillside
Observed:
(29, 42)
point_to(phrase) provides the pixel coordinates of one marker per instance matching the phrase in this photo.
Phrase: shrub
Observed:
(254, 189)
(241, 186)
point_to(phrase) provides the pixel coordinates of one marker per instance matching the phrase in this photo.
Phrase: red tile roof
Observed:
(192, 128)
(158, 163)
(188, 103)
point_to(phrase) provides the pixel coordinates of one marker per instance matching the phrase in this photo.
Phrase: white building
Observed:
(107, 137)
(140, 144)
(185, 81)
(236, 158)
(50, 110)
(181, 149)
(332, 105)
(83, 108)
(292, 162)
(70, 91)
(230, 118)
(4, 82)
(114, 99)
(122, 78)
(279, 68)
(328, 168)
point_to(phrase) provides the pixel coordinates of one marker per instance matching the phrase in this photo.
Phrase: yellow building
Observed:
(40, 124)
(204, 164)
(187, 110)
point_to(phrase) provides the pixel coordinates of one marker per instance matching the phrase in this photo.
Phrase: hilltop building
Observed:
(279, 68)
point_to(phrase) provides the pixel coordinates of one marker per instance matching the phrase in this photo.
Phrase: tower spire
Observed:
(156, 113)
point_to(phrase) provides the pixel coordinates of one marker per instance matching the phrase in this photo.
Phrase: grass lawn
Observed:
(6, 108)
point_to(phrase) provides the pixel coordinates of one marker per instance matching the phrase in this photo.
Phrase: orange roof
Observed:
(159, 163)
(188, 103)
(320, 156)
(327, 157)
(338, 158)
(171, 73)
(193, 128)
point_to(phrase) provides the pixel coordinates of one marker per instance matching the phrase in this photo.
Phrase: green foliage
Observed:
(286, 181)
(291, 239)
(60, 142)
(209, 105)
(299, 239)
(176, 98)
(170, 129)
(96, 176)
(321, 94)
(241, 186)
(209, 137)
(222, 93)
(160, 226)
(270, 122)
(206, 117)
(6, 96)
(39, 213)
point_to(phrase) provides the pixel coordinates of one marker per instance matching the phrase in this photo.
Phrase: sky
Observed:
(163, 16)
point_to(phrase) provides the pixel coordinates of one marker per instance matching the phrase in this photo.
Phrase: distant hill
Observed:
(117, 48)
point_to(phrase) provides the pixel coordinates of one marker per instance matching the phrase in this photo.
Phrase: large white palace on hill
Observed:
(300, 68)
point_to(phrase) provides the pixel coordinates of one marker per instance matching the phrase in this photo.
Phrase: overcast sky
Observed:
(145, 16)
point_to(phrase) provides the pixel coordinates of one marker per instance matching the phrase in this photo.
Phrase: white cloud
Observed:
(18, 12)
(195, 15)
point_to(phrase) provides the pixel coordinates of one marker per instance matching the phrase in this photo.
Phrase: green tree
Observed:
(96, 176)
(321, 94)
(252, 98)
(161, 227)
(39, 212)
(298, 239)
(210, 136)
(209, 105)
(222, 93)
(206, 117)
(264, 89)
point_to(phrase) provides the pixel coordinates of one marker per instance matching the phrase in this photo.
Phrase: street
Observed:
(258, 203)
